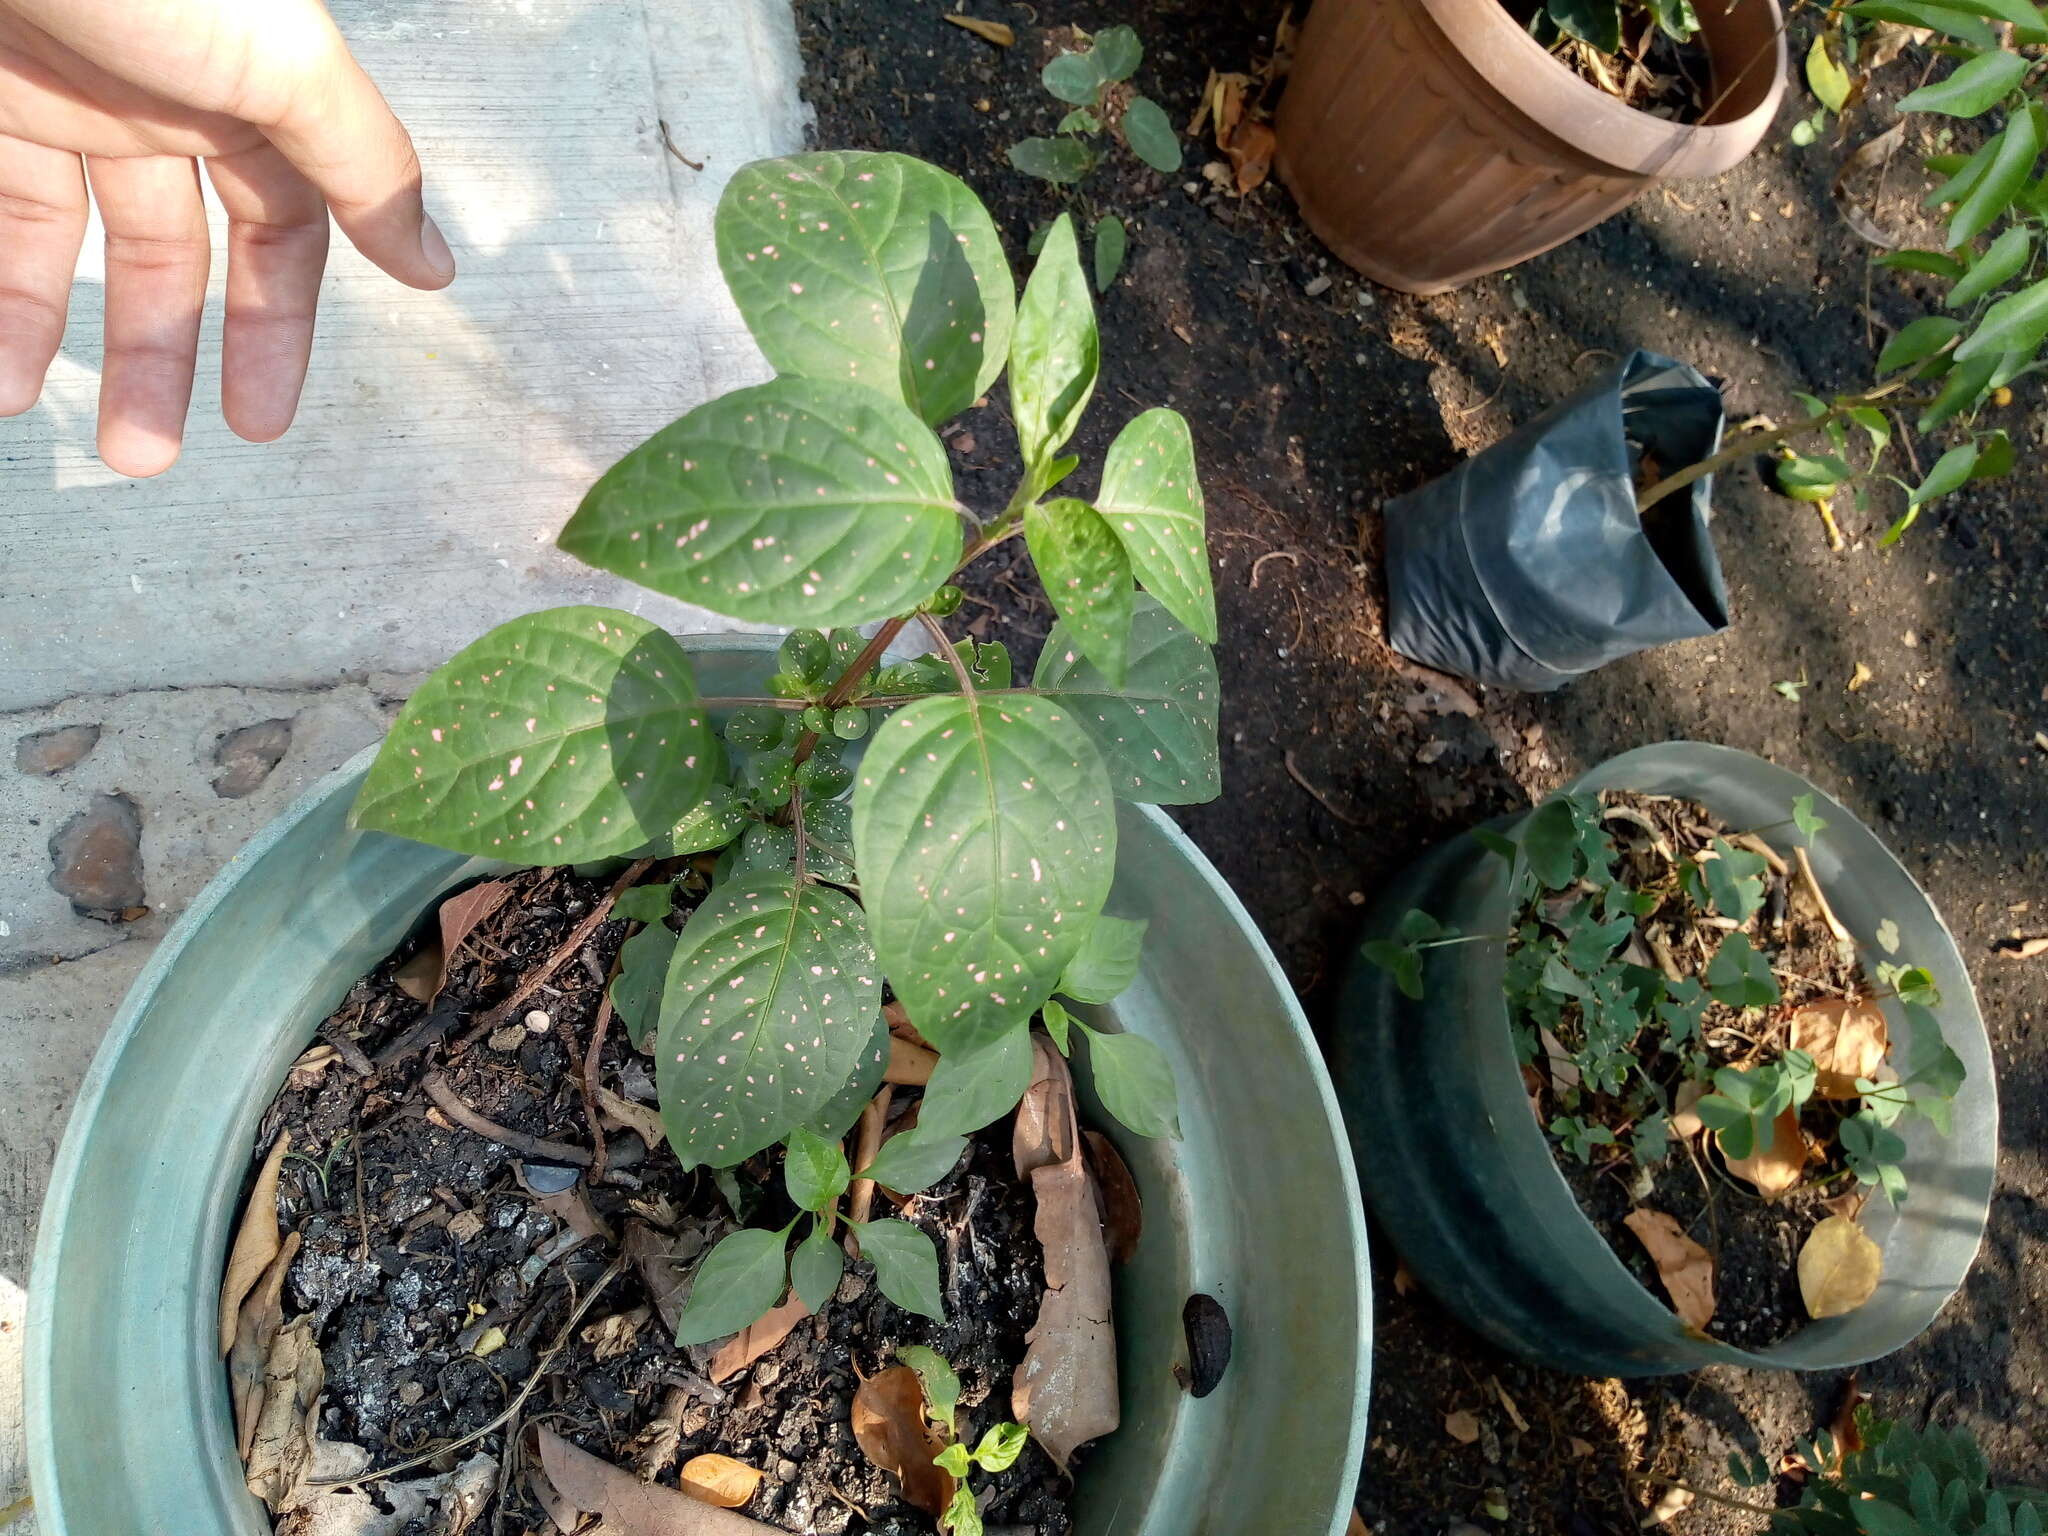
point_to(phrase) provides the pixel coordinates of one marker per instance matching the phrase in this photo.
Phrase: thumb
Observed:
(342, 137)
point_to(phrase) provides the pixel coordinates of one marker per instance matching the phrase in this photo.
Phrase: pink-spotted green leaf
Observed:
(985, 832)
(839, 1116)
(1108, 960)
(795, 502)
(738, 1281)
(771, 998)
(815, 1267)
(1055, 352)
(1157, 732)
(563, 736)
(871, 269)
(1087, 575)
(1152, 500)
(906, 1264)
(975, 1087)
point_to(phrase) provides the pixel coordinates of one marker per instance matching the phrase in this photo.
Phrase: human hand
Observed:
(128, 96)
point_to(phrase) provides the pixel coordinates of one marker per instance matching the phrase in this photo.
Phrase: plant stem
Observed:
(1465, 938)
(842, 691)
(1755, 442)
(1701, 1493)
(938, 633)
(796, 822)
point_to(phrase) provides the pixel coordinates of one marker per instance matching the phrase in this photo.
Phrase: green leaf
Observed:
(843, 1109)
(815, 1267)
(564, 736)
(906, 1266)
(1597, 23)
(1963, 386)
(973, 1088)
(645, 903)
(1059, 160)
(1056, 350)
(1157, 733)
(1074, 78)
(870, 269)
(1739, 976)
(2012, 164)
(1950, 471)
(1825, 76)
(1058, 1023)
(1080, 120)
(914, 1160)
(1977, 85)
(1152, 500)
(2016, 323)
(797, 500)
(1809, 825)
(1932, 262)
(770, 1001)
(1735, 881)
(1400, 961)
(1991, 271)
(1001, 1446)
(738, 1281)
(1118, 53)
(1927, 13)
(1916, 341)
(643, 973)
(1550, 842)
(1134, 1081)
(963, 1514)
(1087, 575)
(1150, 134)
(1111, 240)
(1995, 456)
(985, 831)
(1812, 479)
(711, 823)
(1107, 961)
(941, 1385)
(814, 1170)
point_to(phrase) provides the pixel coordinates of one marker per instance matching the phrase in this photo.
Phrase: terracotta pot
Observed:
(1432, 141)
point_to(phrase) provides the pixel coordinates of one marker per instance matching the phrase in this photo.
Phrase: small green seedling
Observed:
(1093, 82)
(997, 1451)
(936, 826)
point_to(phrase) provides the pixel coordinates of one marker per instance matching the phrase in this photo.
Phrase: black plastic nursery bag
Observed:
(1527, 565)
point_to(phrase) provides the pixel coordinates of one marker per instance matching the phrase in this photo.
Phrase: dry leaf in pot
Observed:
(1839, 1267)
(578, 1482)
(893, 1432)
(1685, 1268)
(1846, 1040)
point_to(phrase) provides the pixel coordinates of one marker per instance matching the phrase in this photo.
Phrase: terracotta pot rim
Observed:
(1598, 125)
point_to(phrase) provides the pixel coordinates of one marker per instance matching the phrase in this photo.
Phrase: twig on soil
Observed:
(362, 1213)
(1294, 773)
(589, 1082)
(437, 1088)
(860, 1194)
(669, 144)
(1820, 898)
(540, 1366)
(579, 1065)
(1293, 555)
(536, 978)
(655, 1446)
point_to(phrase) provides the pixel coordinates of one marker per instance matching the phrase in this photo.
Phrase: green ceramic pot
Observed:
(1461, 1175)
(127, 1404)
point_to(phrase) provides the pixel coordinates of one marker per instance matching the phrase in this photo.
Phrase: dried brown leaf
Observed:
(910, 1064)
(611, 1337)
(1404, 1282)
(1066, 1386)
(446, 1505)
(1885, 41)
(1776, 1166)
(1846, 1040)
(1686, 1268)
(757, 1338)
(627, 1506)
(1849, 1202)
(653, 1255)
(1514, 1414)
(989, 31)
(1251, 155)
(2024, 949)
(461, 913)
(1462, 1426)
(720, 1480)
(256, 1241)
(1685, 1117)
(1840, 1265)
(1564, 1072)
(643, 1120)
(1871, 155)
(281, 1444)
(1123, 1215)
(256, 1327)
(889, 1423)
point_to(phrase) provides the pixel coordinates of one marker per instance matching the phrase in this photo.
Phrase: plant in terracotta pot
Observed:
(1539, 146)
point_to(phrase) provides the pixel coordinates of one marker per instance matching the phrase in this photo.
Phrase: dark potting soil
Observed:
(1314, 398)
(421, 1237)
(1754, 1240)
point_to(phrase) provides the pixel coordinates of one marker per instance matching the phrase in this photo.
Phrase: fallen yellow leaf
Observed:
(1861, 676)
(1839, 1267)
(1846, 1040)
(714, 1479)
(1686, 1268)
(1776, 1166)
(989, 31)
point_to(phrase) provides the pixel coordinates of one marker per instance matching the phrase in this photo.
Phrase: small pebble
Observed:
(506, 1037)
(786, 1470)
(1317, 286)
(538, 1022)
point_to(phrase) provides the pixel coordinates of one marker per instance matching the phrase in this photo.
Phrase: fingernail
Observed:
(434, 247)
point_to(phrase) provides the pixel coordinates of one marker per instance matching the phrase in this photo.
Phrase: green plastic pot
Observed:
(128, 1416)
(1462, 1178)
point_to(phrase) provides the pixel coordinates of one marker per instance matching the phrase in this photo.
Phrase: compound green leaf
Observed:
(563, 736)
(1134, 1081)
(1157, 732)
(799, 501)
(1087, 575)
(1055, 352)
(815, 1267)
(1152, 500)
(906, 1264)
(738, 1281)
(1108, 960)
(873, 269)
(985, 832)
(771, 999)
